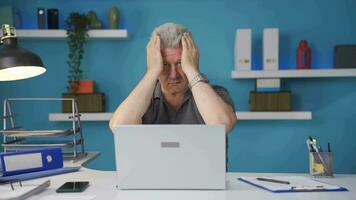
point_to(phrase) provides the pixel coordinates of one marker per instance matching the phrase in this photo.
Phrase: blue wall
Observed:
(263, 146)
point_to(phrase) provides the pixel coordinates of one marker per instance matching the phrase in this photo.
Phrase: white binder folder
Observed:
(270, 49)
(243, 49)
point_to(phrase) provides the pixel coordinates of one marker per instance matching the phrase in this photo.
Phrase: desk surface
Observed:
(103, 186)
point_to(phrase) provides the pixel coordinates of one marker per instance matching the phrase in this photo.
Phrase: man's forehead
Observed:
(172, 52)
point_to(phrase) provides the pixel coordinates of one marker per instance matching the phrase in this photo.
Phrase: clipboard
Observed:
(297, 184)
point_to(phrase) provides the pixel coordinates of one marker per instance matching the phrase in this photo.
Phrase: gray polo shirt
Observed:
(159, 112)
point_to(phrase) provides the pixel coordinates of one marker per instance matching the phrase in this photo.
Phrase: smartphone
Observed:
(73, 187)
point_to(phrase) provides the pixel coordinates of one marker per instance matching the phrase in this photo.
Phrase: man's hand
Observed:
(190, 56)
(154, 55)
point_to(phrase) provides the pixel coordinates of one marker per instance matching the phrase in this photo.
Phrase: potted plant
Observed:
(77, 33)
(82, 90)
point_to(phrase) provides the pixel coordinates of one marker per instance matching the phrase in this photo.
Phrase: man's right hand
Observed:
(154, 55)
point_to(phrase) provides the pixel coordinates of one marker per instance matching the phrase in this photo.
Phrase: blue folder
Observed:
(31, 161)
(39, 174)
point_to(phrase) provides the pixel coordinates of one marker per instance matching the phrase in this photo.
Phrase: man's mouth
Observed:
(174, 83)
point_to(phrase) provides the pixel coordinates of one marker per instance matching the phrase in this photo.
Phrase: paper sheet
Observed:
(22, 191)
(68, 197)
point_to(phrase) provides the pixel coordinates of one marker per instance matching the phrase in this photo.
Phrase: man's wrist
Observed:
(152, 74)
(197, 79)
(191, 73)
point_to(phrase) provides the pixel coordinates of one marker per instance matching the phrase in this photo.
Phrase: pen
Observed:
(317, 152)
(273, 180)
(329, 150)
(311, 144)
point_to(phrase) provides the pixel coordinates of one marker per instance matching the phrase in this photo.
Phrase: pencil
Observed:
(273, 180)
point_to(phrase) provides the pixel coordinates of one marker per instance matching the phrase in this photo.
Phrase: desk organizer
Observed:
(321, 164)
(18, 138)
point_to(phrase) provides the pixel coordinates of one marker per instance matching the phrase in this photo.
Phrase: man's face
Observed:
(173, 80)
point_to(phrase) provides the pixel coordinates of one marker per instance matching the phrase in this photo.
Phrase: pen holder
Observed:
(321, 164)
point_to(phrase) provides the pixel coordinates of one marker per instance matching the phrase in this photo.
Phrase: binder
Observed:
(270, 49)
(31, 161)
(39, 174)
(297, 184)
(243, 49)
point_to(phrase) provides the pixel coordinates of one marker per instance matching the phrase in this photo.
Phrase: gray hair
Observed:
(171, 35)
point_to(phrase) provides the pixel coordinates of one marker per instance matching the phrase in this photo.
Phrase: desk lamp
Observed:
(17, 63)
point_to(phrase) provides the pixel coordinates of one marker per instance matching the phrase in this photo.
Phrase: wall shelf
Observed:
(84, 116)
(61, 34)
(240, 116)
(296, 115)
(312, 73)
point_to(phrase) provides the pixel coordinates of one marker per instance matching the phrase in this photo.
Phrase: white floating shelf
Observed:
(83, 117)
(312, 73)
(274, 115)
(240, 116)
(57, 34)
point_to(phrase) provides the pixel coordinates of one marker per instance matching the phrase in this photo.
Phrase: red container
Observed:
(303, 55)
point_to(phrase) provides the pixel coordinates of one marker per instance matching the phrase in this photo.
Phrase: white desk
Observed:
(102, 184)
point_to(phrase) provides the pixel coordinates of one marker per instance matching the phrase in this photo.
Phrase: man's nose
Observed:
(173, 72)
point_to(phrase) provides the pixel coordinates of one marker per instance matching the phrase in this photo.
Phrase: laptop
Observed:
(170, 156)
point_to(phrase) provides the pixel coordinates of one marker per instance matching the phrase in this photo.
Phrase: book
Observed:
(268, 85)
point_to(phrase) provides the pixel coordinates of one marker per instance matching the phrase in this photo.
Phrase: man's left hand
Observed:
(190, 56)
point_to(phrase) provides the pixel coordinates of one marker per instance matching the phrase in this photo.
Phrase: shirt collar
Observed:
(158, 92)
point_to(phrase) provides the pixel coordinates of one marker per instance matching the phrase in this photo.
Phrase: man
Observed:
(182, 95)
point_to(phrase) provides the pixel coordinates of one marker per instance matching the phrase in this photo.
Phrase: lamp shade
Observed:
(17, 63)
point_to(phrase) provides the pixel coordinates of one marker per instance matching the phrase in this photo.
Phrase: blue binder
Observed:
(39, 174)
(31, 161)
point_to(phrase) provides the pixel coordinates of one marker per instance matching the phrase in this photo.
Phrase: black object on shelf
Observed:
(52, 18)
(41, 18)
(345, 56)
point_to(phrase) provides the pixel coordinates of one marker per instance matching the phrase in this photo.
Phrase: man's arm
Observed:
(131, 110)
(211, 106)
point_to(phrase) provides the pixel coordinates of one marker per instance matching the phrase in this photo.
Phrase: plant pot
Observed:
(82, 87)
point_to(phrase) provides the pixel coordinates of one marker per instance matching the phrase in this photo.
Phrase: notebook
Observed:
(297, 184)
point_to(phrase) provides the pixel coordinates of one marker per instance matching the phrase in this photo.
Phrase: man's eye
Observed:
(165, 65)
